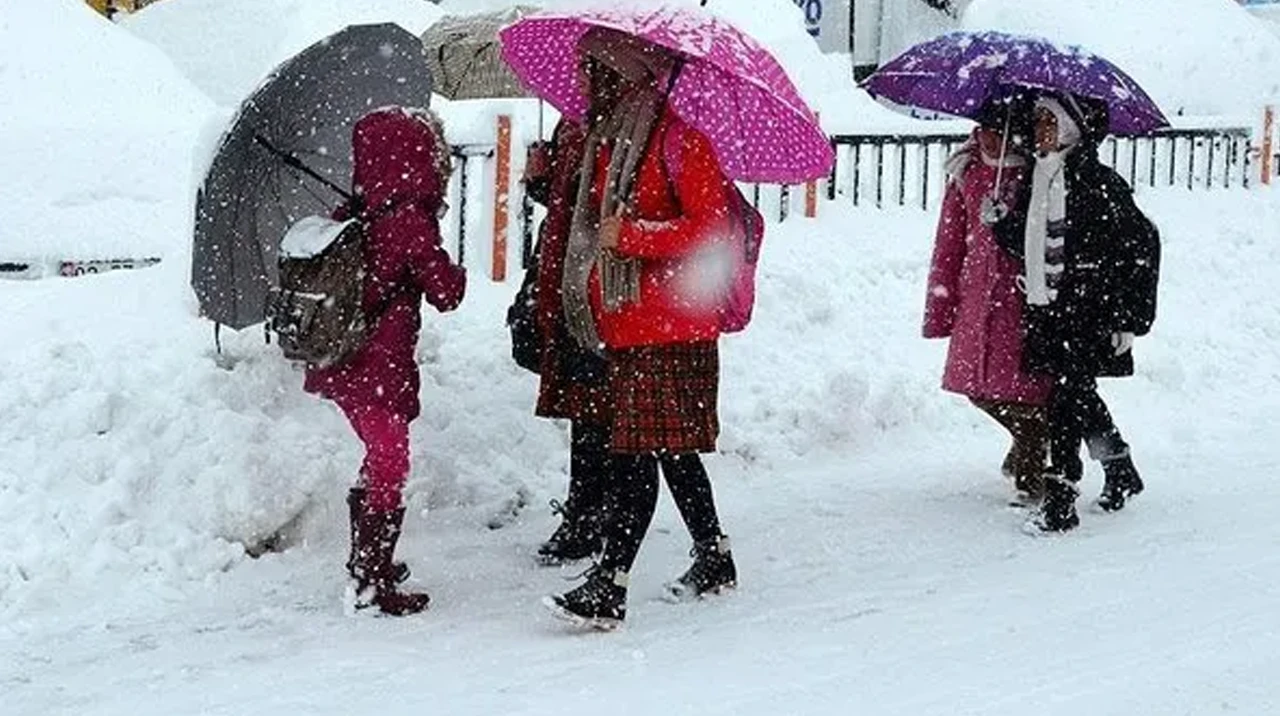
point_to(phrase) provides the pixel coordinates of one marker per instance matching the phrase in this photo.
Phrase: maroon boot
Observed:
(375, 535)
(355, 505)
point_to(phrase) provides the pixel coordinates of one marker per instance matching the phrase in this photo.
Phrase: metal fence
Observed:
(901, 170)
(472, 162)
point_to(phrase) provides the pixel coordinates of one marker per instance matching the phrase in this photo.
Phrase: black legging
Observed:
(634, 494)
(590, 467)
(1078, 414)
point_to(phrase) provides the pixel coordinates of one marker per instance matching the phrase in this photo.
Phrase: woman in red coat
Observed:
(644, 283)
(401, 172)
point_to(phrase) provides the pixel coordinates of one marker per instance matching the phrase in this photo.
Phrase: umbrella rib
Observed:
(231, 260)
(444, 68)
(737, 114)
(475, 57)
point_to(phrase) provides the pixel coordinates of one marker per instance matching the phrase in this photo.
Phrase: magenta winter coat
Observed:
(397, 175)
(973, 295)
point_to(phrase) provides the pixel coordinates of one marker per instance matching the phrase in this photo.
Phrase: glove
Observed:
(1122, 342)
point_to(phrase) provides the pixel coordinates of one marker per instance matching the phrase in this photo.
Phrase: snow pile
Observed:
(1195, 57)
(1268, 13)
(226, 47)
(95, 131)
(131, 449)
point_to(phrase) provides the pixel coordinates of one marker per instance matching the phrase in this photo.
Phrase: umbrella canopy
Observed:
(287, 155)
(960, 72)
(729, 87)
(465, 59)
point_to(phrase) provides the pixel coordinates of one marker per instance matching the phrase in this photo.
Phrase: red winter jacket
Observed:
(678, 225)
(401, 189)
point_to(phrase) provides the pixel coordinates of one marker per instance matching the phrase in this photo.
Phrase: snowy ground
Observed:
(876, 585)
(882, 570)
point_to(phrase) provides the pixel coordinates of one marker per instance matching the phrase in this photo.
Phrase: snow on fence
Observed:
(878, 170)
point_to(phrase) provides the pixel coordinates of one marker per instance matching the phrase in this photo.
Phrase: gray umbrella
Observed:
(466, 59)
(288, 155)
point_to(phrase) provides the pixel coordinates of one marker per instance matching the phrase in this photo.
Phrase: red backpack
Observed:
(748, 233)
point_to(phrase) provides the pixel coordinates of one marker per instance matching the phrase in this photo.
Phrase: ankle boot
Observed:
(374, 571)
(599, 603)
(1057, 511)
(712, 571)
(1122, 482)
(577, 537)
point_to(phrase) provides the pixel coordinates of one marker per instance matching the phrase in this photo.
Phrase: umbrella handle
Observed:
(1004, 147)
(295, 163)
(666, 95)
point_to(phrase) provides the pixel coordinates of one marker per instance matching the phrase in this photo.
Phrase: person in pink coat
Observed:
(973, 295)
(402, 169)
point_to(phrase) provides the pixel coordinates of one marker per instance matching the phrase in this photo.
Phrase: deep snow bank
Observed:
(1194, 57)
(226, 47)
(94, 127)
(129, 451)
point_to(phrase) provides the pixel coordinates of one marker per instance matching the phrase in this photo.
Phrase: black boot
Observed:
(580, 534)
(1122, 482)
(599, 603)
(355, 506)
(1057, 511)
(712, 572)
(374, 571)
(577, 537)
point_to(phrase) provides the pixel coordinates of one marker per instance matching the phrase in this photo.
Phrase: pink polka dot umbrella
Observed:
(729, 87)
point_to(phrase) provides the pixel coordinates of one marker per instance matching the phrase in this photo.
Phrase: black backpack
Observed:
(522, 320)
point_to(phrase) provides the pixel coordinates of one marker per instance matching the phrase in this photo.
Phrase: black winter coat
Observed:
(1109, 280)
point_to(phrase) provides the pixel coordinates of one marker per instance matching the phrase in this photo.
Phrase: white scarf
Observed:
(1044, 243)
(1048, 208)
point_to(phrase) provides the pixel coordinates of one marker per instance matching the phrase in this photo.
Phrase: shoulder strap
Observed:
(671, 144)
(401, 286)
(672, 160)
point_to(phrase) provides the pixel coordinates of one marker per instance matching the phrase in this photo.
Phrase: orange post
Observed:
(501, 198)
(811, 196)
(1268, 125)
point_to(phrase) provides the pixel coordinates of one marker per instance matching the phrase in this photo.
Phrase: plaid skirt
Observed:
(665, 398)
(572, 386)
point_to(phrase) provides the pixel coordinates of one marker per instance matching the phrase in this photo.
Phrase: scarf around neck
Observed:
(1045, 240)
(625, 133)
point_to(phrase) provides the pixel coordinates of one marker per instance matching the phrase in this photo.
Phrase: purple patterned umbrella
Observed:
(959, 72)
(729, 88)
